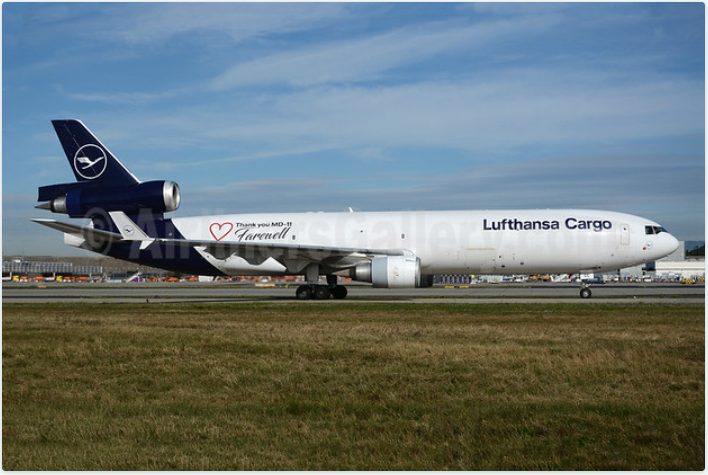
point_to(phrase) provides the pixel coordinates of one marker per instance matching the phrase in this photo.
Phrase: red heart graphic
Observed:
(217, 230)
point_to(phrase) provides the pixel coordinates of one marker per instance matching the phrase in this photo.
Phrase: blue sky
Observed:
(318, 107)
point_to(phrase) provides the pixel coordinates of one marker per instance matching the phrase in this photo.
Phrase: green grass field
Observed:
(301, 386)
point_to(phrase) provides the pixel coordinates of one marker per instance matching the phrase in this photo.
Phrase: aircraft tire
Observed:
(339, 292)
(321, 292)
(304, 292)
(585, 293)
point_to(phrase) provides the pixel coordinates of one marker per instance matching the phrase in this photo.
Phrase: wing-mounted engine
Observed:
(85, 200)
(392, 272)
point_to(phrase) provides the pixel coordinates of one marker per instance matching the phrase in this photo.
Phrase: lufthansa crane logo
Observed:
(90, 161)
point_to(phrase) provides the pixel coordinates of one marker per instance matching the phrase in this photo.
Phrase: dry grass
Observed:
(365, 386)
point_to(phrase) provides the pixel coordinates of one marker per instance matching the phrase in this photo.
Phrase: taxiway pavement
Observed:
(235, 293)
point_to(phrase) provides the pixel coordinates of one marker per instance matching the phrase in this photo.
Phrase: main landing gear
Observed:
(321, 292)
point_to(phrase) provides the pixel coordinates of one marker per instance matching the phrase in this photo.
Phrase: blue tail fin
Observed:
(103, 184)
(89, 159)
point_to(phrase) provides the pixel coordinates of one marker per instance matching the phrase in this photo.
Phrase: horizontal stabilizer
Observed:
(89, 233)
(48, 193)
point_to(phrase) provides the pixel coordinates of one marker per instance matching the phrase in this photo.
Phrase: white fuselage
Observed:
(447, 242)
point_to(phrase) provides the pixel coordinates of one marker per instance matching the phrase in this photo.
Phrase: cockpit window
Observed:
(654, 229)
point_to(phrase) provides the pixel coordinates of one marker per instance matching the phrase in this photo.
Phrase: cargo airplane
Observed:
(386, 249)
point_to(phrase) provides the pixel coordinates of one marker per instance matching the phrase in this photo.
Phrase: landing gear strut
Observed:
(312, 290)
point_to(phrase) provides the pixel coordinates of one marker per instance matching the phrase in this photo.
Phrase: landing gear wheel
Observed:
(321, 292)
(304, 292)
(339, 292)
(585, 293)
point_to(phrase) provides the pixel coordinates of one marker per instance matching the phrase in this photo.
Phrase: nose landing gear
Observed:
(585, 292)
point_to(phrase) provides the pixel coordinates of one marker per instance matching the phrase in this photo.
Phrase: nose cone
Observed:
(668, 244)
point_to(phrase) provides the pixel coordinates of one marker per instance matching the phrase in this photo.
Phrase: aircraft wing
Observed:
(291, 250)
(293, 255)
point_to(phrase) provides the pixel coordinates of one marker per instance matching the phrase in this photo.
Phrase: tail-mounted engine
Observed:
(82, 200)
(392, 272)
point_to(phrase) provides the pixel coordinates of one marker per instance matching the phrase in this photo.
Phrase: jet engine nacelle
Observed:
(393, 272)
(157, 196)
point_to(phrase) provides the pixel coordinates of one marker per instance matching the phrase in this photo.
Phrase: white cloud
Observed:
(507, 117)
(515, 109)
(368, 58)
(158, 22)
(121, 97)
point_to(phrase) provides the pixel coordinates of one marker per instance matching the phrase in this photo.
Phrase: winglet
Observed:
(129, 230)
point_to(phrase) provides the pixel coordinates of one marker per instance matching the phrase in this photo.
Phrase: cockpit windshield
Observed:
(654, 230)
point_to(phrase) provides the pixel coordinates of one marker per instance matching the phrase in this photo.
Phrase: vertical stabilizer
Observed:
(89, 159)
